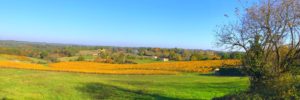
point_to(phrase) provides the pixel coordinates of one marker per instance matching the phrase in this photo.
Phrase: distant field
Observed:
(154, 68)
(102, 68)
(144, 61)
(19, 84)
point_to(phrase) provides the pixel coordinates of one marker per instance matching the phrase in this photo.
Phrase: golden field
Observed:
(104, 68)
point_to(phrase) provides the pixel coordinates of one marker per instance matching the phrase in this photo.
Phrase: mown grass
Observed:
(21, 84)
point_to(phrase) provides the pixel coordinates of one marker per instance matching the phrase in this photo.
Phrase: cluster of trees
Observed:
(52, 52)
(128, 55)
(45, 51)
(176, 54)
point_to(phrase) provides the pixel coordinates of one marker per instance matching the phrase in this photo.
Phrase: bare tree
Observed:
(269, 33)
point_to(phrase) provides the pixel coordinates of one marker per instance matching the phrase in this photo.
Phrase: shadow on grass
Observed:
(207, 74)
(216, 88)
(99, 91)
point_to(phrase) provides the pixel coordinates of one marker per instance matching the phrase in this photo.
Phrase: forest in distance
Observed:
(61, 52)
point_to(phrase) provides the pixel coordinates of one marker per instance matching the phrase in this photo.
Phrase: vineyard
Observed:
(104, 68)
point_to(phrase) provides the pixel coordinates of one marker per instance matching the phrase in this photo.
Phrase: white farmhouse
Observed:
(165, 59)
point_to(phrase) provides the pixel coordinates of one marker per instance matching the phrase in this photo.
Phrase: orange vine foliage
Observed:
(22, 65)
(14, 57)
(150, 68)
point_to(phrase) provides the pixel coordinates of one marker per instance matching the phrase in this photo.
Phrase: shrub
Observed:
(80, 58)
(53, 59)
(230, 72)
(253, 96)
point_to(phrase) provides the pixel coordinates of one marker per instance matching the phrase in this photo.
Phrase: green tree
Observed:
(43, 54)
(225, 55)
(269, 34)
(120, 58)
(178, 57)
(194, 57)
(186, 55)
(80, 58)
(236, 55)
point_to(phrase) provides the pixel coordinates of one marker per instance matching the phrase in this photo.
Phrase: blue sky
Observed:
(134, 23)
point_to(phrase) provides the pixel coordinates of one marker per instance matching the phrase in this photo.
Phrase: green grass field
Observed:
(74, 58)
(146, 60)
(20, 84)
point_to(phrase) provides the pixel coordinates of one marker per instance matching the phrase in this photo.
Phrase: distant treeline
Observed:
(52, 52)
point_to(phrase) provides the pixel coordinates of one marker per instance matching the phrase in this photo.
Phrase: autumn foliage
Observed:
(104, 68)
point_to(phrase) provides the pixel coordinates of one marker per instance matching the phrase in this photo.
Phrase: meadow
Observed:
(23, 78)
(160, 68)
(20, 84)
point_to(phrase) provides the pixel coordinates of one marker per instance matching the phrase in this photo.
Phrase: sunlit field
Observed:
(22, 78)
(21, 62)
(19, 84)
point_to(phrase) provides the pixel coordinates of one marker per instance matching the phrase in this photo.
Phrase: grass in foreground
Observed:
(36, 85)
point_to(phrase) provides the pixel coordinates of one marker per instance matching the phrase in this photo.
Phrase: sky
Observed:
(187, 24)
